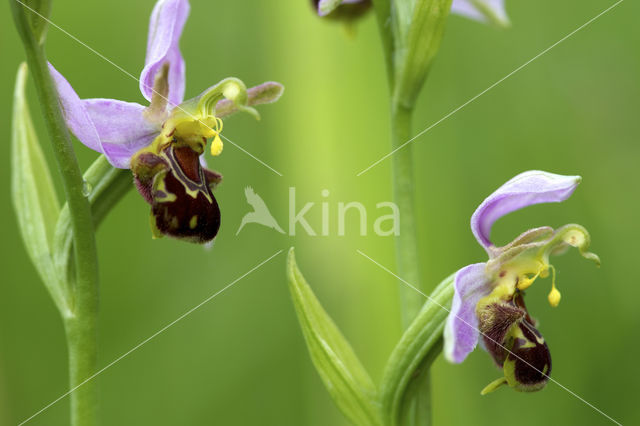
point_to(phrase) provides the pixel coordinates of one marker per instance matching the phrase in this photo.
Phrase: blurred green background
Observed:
(241, 358)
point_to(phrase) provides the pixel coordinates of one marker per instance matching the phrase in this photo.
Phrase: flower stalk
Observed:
(403, 194)
(81, 321)
(418, 409)
(406, 246)
(410, 46)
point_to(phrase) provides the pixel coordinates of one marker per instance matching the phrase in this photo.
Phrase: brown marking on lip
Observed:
(173, 218)
(532, 363)
(177, 171)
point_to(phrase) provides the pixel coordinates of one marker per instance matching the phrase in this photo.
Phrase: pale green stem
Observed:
(406, 242)
(419, 409)
(403, 195)
(81, 324)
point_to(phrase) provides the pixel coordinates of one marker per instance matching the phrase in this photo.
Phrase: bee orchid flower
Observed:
(488, 303)
(163, 143)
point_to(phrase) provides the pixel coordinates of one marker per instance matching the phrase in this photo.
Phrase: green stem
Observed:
(418, 411)
(411, 32)
(403, 195)
(383, 16)
(81, 324)
(81, 341)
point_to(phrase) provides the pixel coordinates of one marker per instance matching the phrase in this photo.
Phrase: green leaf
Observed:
(105, 186)
(383, 16)
(418, 27)
(342, 373)
(411, 358)
(33, 193)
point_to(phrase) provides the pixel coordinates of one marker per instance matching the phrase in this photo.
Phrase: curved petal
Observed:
(167, 21)
(122, 128)
(114, 128)
(481, 10)
(74, 112)
(461, 330)
(526, 189)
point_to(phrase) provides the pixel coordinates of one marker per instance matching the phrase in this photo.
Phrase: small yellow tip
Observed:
(554, 297)
(155, 232)
(491, 387)
(216, 145)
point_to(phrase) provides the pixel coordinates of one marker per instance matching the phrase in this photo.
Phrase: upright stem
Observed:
(403, 194)
(80, 325)
(419, 408)
(82, 344)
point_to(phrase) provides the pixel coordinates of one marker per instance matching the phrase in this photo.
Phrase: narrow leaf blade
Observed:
(342, 373)
(33, 193)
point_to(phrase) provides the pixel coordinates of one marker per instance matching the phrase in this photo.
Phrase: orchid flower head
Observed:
(488, 302)
(163, 143)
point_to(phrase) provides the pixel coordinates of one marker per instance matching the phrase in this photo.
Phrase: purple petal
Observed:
(74, 112)
(468, 9)
(461, 330)
(526, 189)
(167, 21)
(114, 128)
(122, 128)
